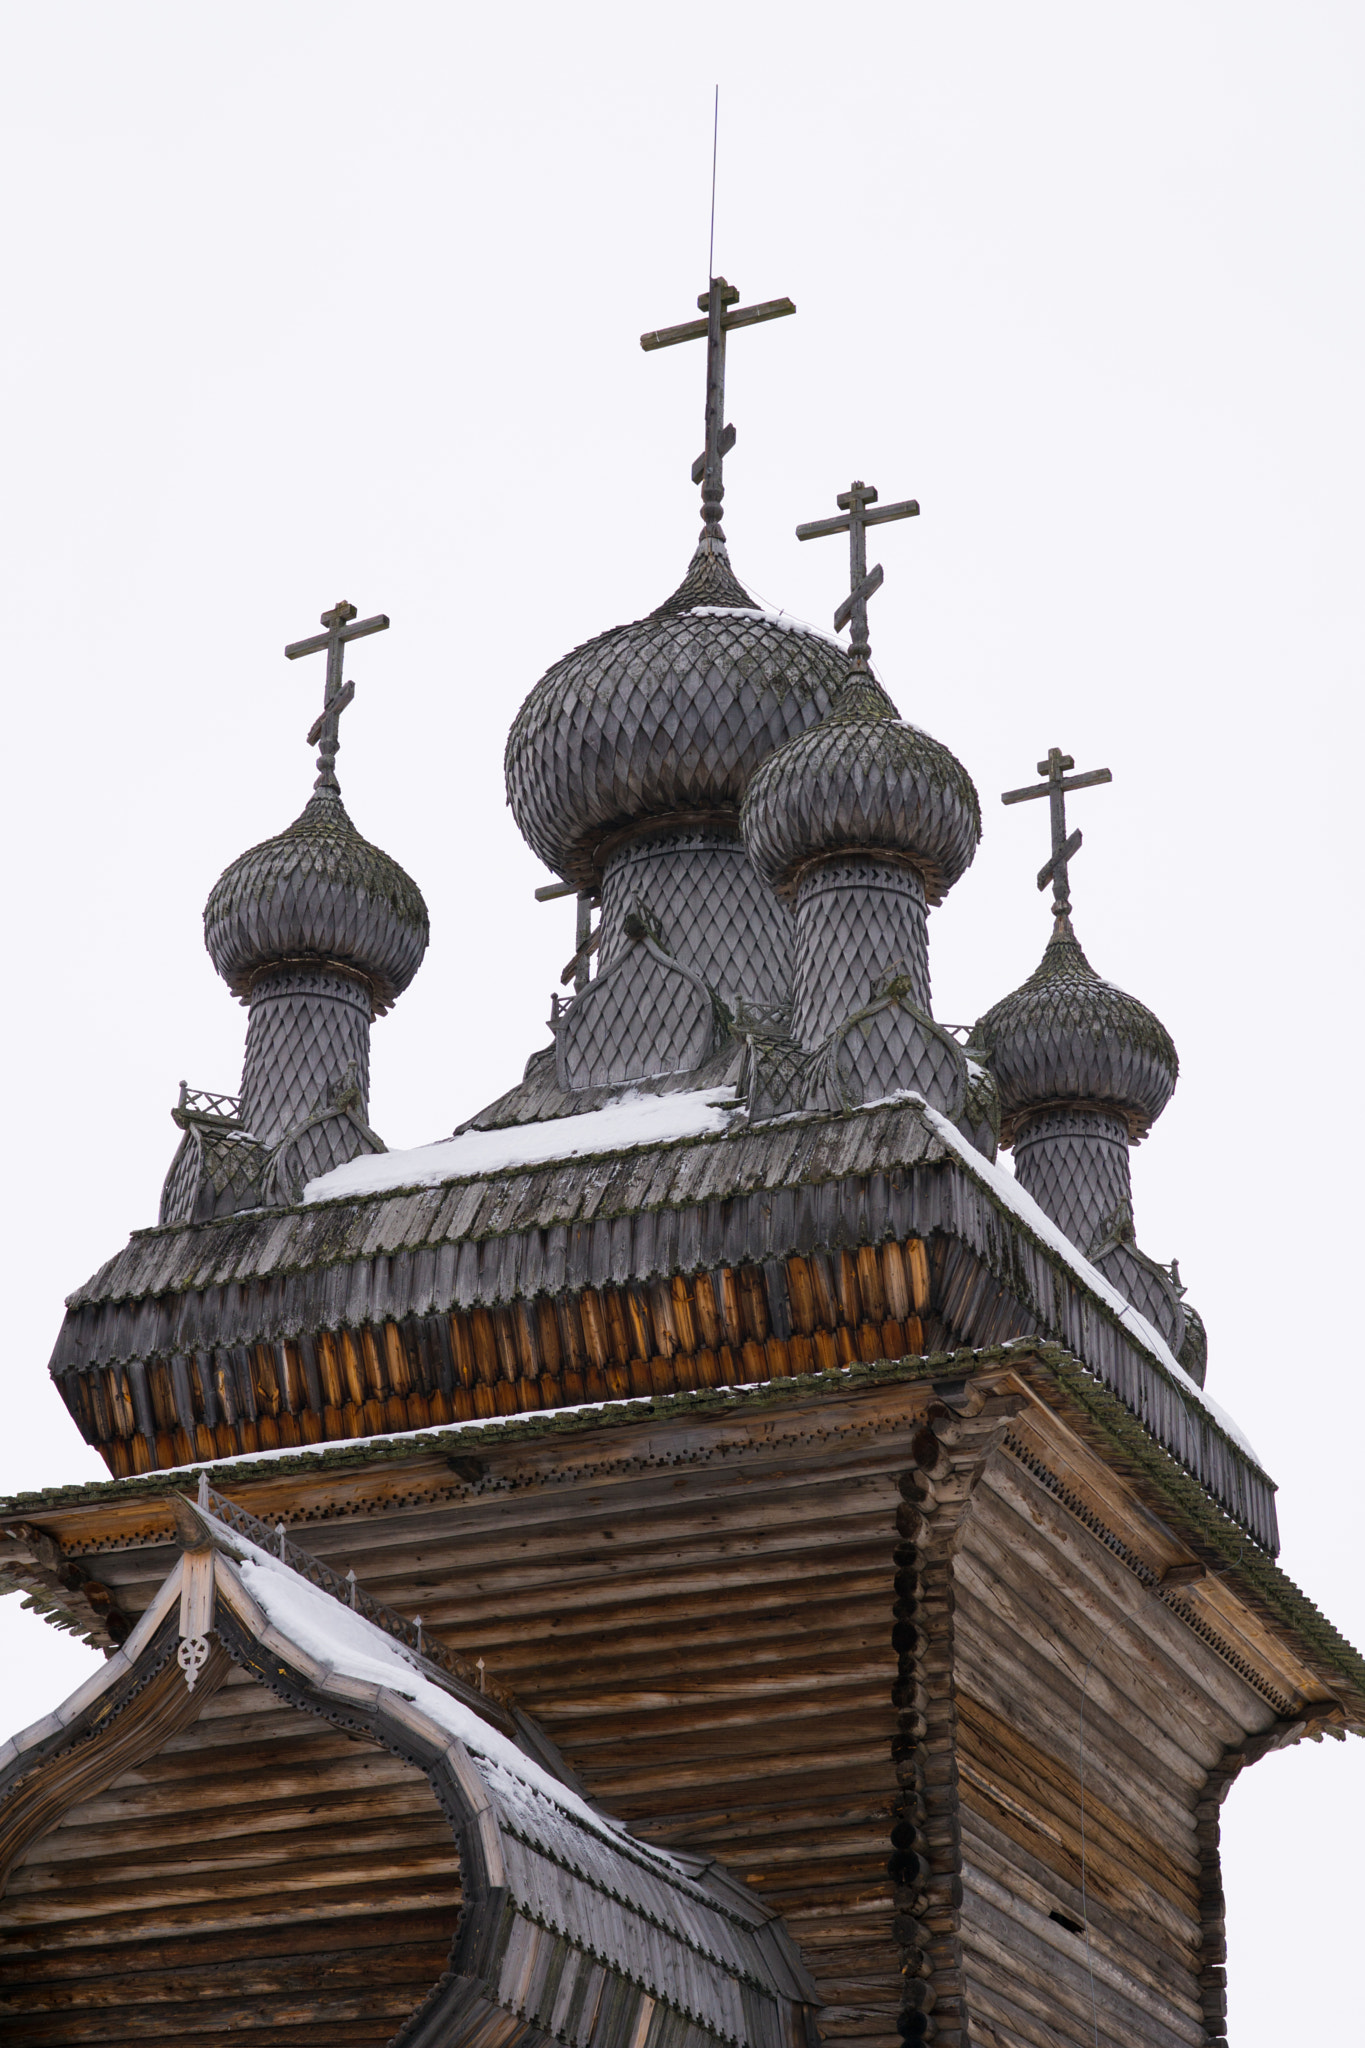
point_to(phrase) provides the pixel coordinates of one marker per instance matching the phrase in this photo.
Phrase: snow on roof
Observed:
(397, 1436)
(1006, 1187)
(317, 1623)
(783, 620)
(644, 1120)
(635, 1120)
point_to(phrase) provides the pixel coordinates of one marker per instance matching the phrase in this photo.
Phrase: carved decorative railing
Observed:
(468, 1676)
(203, 1102)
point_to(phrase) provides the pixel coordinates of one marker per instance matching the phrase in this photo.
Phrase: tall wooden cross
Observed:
(1059, 782)
(336, 694)
(854, 503)
(716, 303)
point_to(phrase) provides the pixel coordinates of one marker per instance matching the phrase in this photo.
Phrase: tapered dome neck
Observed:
(1062, 955)
(710, 580)
(861, 699)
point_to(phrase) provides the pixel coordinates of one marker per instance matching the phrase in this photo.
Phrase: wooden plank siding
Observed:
(1068, 1669)
(264, 1873)
(837, 1636)
(709, 1647)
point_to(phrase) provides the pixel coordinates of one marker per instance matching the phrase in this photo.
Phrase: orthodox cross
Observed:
(854, 503)
(336, 695)
(1059, 781)
(716, 303)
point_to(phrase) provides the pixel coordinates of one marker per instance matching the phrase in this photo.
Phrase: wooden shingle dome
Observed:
(666, 718)
(863, 779)
(1066, 1038)
(317, 892)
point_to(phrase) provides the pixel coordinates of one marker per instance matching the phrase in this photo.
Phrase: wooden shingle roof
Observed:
(749, 1200)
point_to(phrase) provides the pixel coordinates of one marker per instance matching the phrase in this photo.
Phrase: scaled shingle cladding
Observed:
(1076, 1168)
(863, 778)
(668, 716)
(1150, 1289)
(309, 1029)
(749, 1194)
(317, 891)
(891, 1047)
(859, 925)
(1065, 1036)
(710, 910)
(644, 1016)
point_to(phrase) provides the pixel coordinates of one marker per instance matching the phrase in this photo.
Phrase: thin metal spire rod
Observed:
(715, 144)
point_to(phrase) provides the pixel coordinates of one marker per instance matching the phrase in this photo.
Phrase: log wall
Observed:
(264, 1873)
(842, 1645)
(704, 1629)
(1076, 1686)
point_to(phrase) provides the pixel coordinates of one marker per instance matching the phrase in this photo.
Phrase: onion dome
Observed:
(318, 892)
(1067, 1038)
(863, 780)
(667, 718)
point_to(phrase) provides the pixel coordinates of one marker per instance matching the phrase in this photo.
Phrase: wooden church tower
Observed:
(705, 1555)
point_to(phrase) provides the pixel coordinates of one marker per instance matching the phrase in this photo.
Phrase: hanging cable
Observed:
(715, 144)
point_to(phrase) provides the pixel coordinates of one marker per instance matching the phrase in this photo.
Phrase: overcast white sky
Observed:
(313, 300)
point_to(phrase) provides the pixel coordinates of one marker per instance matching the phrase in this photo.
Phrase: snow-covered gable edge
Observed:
(538, 1864)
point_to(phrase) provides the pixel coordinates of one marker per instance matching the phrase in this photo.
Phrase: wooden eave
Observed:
(1098, 1460)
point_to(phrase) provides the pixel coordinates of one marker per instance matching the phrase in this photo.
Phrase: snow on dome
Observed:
(786, 622)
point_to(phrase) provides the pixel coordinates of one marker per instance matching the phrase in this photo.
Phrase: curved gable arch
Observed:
(564, 1927)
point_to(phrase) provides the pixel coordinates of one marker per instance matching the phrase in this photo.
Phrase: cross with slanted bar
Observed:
(720, 439)
(1059, 781)
(336, 695)
(854, 503)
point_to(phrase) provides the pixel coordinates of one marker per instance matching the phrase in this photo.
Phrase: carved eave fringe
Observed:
(549, 1286)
